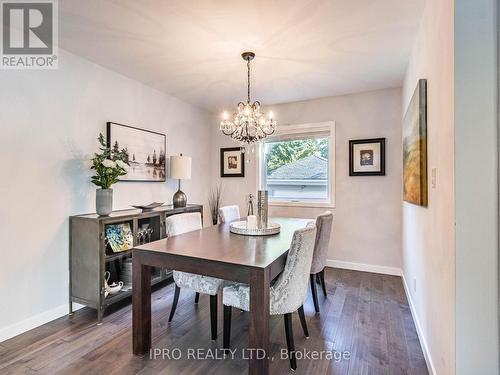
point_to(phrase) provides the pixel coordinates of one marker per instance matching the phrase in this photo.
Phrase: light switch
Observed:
(433, 178)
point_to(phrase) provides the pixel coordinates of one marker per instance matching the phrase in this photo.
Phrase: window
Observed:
(296, 165)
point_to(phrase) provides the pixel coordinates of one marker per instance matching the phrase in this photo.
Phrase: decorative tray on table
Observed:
(240, 227)
(148, 207)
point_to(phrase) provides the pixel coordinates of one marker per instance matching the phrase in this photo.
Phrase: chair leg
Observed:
(318, 279)
(213, 316)
(174, 304)
(323, 285)
(197, 298)
(303, 321)
(289, 341)
(226, 339)
(314, 293)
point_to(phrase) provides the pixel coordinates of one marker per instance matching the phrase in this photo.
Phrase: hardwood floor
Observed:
(366, 319)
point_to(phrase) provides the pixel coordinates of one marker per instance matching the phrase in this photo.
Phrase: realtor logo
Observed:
(29, 34)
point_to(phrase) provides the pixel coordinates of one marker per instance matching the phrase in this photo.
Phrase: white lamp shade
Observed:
(180, 167)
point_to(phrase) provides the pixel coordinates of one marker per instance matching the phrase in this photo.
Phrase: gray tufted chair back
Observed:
(229, 213)
(289, 291)
(321, 246)
(183, 223)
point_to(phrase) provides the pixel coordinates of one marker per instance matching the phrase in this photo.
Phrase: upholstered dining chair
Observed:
(229, 213)
(183, 223)
(324, 230)
(287, 293)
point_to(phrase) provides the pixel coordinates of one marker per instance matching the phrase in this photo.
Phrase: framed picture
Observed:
(145, 151)
(232, 162)
(367, 157)
(415, 147)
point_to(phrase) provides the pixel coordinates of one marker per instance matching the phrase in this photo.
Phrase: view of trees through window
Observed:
(281, 153)
(297, 169)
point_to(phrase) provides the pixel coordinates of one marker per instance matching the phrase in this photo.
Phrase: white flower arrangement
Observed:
(108, 165)
(122, 164)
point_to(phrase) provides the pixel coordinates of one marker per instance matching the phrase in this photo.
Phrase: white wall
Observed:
(451, 246)
(476, 193)
(367, 226)
(49, 121)
(428, 232)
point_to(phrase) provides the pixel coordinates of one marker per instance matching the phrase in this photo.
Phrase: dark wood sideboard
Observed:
(90, 256)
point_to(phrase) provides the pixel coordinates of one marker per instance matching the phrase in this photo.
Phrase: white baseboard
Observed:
(35, 321)
(364, 267)
(421, 337)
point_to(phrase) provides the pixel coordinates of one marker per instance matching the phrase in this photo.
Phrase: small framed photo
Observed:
(232, 162)
(367, 157)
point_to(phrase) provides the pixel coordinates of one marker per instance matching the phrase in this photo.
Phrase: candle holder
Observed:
(250, 204)
(262, 209)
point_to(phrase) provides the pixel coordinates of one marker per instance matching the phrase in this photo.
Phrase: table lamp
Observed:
(180, 168)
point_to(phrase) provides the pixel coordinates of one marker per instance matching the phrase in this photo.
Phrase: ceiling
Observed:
(191, 49)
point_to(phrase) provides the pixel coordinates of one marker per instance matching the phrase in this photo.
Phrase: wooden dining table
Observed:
(215, 251)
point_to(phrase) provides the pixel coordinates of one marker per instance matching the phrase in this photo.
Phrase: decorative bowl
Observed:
(149, 207)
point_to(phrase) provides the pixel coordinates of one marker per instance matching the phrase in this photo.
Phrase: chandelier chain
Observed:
(248, 81)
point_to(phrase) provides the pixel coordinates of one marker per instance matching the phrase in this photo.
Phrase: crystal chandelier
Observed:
(248, 124)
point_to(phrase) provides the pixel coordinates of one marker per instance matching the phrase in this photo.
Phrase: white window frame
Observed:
(284, 131)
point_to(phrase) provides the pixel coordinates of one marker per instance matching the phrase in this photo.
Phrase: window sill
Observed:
(302, 204)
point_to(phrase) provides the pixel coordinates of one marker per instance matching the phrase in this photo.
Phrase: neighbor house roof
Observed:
(310, 168)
